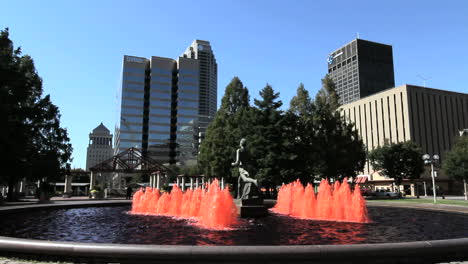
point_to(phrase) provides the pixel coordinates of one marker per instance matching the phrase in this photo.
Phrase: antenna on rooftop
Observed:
(424, 79)
(357, 35)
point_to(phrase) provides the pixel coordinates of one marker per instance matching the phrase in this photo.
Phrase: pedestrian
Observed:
(129, 193)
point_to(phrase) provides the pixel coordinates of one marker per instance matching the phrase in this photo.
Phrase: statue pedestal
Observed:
(251, 207)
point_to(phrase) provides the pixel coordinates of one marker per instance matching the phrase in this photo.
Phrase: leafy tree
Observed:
(455, 163)
(399, 161)
(32, 143)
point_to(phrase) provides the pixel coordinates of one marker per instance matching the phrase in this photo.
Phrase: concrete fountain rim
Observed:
(430, 249)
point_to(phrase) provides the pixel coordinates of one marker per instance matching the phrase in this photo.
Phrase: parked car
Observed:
(367, 192)
(387, 194)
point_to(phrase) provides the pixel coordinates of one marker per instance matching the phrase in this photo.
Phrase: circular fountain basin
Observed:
(111, 233)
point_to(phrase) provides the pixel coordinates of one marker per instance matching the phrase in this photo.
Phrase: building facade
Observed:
(361, 68)
(165, 104)
(99, 147)
(430, 117)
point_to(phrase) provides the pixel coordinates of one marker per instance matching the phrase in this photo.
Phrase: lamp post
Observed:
(428, 160)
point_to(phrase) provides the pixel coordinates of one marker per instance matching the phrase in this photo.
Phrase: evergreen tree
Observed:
(299, 137)
(32, 143)
(339, 150)
(301, 104)
(399, 161)
(266, 137)
(224, 133)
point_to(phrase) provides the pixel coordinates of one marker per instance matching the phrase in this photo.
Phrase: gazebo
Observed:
(130, 161)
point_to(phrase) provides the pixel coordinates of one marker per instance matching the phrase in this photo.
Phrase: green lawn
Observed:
(425, 200)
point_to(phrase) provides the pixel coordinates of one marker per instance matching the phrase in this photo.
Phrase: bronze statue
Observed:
(242, 162)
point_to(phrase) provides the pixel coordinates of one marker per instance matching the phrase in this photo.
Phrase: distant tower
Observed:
(361, 68)
(100, 146)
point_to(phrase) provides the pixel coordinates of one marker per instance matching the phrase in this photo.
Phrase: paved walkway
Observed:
(427, 206)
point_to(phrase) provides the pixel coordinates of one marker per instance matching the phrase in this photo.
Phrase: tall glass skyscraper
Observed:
(165, 105)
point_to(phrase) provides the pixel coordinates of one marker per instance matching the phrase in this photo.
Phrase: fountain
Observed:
(213, 208)
(332, 203)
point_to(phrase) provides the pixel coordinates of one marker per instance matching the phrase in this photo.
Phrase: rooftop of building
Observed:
(101, 129)
(411, 86)
(356, 39)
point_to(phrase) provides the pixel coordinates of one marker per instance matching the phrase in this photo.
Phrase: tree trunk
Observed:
(11, 192)
(464, 187)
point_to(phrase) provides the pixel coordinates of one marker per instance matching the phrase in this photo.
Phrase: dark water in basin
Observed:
(114, 225)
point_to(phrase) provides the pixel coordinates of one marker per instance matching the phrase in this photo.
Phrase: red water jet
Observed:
(334, 202)
(213, 207)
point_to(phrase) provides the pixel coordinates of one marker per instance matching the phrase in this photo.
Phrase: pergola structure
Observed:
(130, 161)
(196, 181)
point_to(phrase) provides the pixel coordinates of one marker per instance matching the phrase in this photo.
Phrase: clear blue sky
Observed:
(78, 45)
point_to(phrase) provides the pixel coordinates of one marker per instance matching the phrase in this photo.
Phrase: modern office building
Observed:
(361, 68)
(430, 117)
(208, 80)
(166, 104)
(99, 147)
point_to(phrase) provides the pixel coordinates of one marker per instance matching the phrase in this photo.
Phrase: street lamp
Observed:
(428, 160)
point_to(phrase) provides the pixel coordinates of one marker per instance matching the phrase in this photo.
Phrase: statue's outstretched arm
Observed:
(236, 163)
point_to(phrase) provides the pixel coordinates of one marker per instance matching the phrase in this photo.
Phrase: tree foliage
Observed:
(309, 140)
(455, 163)
(223, 134)
(399, 161)
(33, 144)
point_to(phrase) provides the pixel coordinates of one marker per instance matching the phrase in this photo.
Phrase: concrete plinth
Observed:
(251, 207)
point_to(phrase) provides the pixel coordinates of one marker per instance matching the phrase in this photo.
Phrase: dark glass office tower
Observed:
(131, 104)
(165, 105)
(361, 68)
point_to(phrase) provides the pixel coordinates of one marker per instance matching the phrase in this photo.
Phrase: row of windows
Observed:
(156, 103)
(126, 101)
(136, 136)
(188, 79)
(159, 95)
(163, 79)
(127, 144)
(162, 87)
(158, 111)
(132, 111)
(155, 136)
(188, 96)
(133, 94)
(186, 120)
(186, 87)
(187, 112)
(126, 127)
(134, 86)
(133, 78)
(161, 71)
(131, 119)
(134, 70)
(159, 128)
(344, 63)
(187, 71)
(185, 128)
(192, 104)
(159, 119)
